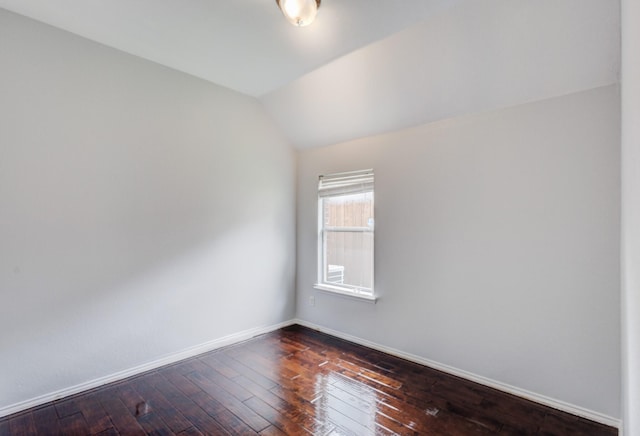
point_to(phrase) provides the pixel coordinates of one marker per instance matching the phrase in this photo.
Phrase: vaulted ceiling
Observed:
(364, 66)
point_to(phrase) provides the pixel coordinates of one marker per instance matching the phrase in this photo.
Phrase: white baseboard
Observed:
(248, 334)
(556, 404)
(121, 375)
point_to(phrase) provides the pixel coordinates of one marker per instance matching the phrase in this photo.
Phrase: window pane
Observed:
(349, 258)
(353, 210)
(345, 236)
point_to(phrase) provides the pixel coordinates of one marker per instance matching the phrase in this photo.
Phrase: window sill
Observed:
(345, 293)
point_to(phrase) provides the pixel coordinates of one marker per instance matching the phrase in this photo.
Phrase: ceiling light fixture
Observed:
(299, 12)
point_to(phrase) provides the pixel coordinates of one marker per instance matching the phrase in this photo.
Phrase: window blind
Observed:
(345, 183)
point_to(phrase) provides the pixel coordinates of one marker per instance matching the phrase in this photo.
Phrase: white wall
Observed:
(497, 245)
(631, 215)
(142, 211)
(471, 57)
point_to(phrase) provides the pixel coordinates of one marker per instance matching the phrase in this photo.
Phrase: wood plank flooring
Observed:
(296, 381)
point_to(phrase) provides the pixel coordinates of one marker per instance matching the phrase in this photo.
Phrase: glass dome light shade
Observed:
(299, 12)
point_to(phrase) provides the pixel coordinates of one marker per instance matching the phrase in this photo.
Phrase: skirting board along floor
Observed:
(532, 396)
(121, 375)
(248, 334)
(297, 381)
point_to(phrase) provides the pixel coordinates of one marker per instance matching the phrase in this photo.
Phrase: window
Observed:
(345, 233)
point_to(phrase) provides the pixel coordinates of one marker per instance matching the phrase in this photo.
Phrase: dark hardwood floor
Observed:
(296, 381)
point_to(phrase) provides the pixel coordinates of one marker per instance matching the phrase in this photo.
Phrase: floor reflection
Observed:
(350, 405)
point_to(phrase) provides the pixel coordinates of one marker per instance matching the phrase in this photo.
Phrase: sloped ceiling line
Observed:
(365, 66)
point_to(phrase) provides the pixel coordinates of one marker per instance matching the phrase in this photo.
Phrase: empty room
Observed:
(326, 217)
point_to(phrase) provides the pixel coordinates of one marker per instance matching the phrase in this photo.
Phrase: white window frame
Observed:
(333, 185)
